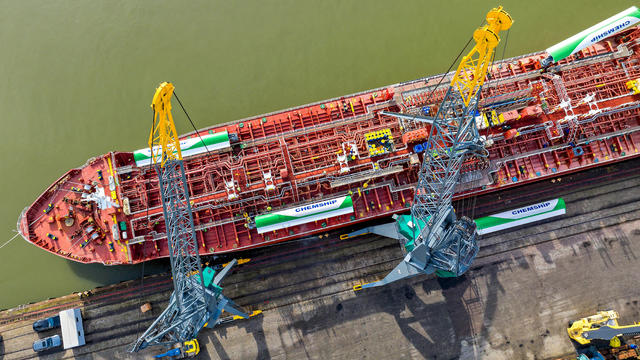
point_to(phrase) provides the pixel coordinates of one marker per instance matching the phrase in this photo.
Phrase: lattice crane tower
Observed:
(433, 237)
(197, 298)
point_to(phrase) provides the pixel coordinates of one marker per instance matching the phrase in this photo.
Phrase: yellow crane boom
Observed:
(601, 326)
(163, 139)
(473, 68)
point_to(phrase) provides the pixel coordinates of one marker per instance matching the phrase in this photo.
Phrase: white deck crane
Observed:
(197, 296)
(434, 238)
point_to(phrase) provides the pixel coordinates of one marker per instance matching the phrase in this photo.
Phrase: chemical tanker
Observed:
(309, 169)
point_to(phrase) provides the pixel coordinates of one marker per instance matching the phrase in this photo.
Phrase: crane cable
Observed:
(474, 198)
(153, 123)
(153, 119)
(455, 61)
(192, 125)
(468, 204)
(449, 69)
(506, 41)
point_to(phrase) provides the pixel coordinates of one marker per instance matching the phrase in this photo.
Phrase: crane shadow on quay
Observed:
(435, 327)
(253, 327)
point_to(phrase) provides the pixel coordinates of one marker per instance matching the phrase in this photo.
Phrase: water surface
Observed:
(77, 78)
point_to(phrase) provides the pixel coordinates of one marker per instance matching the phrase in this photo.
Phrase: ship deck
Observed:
(578, 114)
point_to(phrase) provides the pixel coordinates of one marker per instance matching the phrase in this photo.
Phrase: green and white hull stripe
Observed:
(594, 34)
(521, 216)
(495, 222)
(304, 214)
(189, 147)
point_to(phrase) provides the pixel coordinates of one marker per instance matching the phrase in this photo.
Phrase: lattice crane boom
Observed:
(197, 298)
(167, 158)
(433, 237)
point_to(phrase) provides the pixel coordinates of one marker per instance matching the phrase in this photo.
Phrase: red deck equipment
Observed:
(275, 177)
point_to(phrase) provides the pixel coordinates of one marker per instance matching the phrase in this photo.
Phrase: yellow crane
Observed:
(433, 237)
(599, 331)
(197, 298)
(472, 70)
(601, 326)
(163, 138)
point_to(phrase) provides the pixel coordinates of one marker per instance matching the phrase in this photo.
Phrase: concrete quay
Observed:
(515, 302)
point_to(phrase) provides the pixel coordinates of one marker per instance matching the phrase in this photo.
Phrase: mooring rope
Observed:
(10, 240)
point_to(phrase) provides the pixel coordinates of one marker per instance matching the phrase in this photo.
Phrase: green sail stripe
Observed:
(596, 33)
(207, 140)
(278, 218)
(566, 50)
(211, 139)
(488, 222)
(137, 156)
(491, 221)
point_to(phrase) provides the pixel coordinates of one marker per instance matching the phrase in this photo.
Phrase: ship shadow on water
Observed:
(107, 275)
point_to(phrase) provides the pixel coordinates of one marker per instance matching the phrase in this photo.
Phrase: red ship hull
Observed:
(546, 124)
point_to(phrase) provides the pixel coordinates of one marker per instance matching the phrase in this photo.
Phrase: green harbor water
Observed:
(77, 77)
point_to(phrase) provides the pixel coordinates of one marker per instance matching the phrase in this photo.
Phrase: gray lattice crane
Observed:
(197, 297)
(434, 238)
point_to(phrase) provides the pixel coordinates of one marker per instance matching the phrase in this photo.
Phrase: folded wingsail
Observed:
(594, 34)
